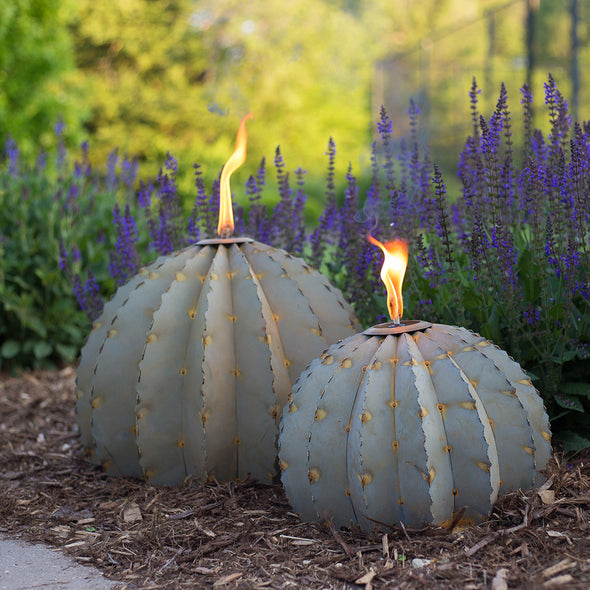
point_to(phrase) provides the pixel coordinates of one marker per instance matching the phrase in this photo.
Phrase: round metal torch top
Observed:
(390, 328)
(215, 241)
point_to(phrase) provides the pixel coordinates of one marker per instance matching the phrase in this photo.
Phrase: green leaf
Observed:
(571, 403)
(566, 356)
(532, 376)
(573, 442)
(575, 388)
(491, 328)
(42, 350)
(9, 349)
(67, 353)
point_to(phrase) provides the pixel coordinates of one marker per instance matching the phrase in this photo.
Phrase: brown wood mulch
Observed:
(243, 535)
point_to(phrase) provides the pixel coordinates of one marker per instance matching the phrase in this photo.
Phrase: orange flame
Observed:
(225, 225)
(392, 274)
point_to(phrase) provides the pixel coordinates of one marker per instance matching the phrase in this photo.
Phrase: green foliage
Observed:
(45, 208)
(509, 258)
(36, 55)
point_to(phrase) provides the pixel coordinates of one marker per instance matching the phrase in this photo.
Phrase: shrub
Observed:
(53, 207)
(508, 257)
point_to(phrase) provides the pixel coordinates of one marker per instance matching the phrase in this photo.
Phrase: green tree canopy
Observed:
(178, 76)
(35, 54)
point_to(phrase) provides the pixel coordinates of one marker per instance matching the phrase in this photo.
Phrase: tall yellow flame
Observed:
(225, 225)
(393, 270)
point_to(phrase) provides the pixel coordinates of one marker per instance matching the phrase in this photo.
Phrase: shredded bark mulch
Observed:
(243, 534)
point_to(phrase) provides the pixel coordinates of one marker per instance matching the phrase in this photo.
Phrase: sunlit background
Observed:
(150, 77)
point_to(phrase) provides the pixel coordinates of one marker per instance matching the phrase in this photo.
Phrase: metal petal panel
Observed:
(440, 420)
(113, 394)
(187, 369)
(163, 374)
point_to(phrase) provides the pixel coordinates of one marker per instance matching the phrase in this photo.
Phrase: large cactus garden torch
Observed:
(187, 369)
(410, 422)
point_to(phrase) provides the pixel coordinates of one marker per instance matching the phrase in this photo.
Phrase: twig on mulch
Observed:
(243, 535)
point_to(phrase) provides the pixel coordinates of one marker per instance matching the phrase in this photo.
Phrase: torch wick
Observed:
(226, 231)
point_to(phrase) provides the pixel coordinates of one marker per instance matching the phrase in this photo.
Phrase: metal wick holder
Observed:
(389, 328)
(215, 241)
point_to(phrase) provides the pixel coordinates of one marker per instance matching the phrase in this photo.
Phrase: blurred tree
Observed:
(35, 53)
(141, 69)
(178, 75)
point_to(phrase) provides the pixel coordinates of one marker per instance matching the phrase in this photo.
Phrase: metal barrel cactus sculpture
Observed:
(189, 365)
(410, 422)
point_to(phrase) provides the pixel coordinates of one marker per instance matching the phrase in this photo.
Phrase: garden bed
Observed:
(243, 535)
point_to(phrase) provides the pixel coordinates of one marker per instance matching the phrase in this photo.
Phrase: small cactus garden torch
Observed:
(410, 422)
(187, 369)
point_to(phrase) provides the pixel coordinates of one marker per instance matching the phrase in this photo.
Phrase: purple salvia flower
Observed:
(65, 263)
(442, 224)
(94, 301)
(144, 194)
(506, 255)
(282, 230)
(12, 154)
(171, 164)
(539, 147)
(129, 169)
(80, 293)
(71, 203)
(384, 125)
(385, 128)
(532, 316)
(200, 213)
(299, 212)
(76, 254)
(78, 170)
(192, 228)
(88, 295)
(474, 93)
(527, 103)
(111, 176)
(41, 161)
(330, 184)
(550, 247)
(350, 229)
(478, 246)
(85, 147)
(323, 234)
(558, 114)
(59, 127)
(258, 222)
(261, 175)
(169, 226)
(124, 261)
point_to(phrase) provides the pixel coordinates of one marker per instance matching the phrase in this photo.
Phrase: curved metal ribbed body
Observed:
(189, 365)
(410, 428)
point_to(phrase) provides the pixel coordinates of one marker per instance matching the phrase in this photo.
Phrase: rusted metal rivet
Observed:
(314, 474)
(320, 414)
(366, 416)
